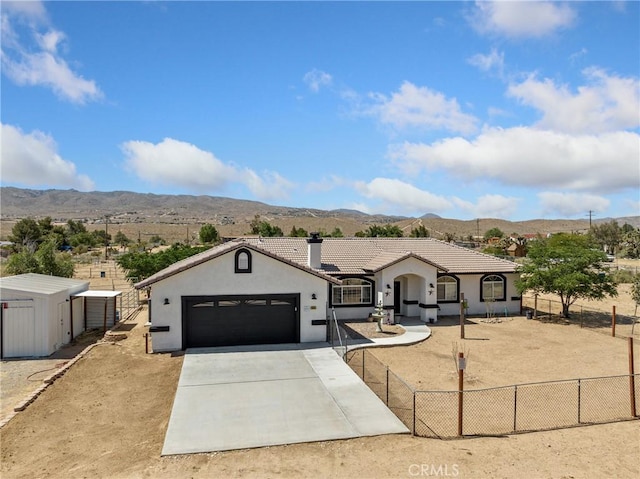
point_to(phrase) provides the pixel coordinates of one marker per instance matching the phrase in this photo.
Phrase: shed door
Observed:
(18, 329)
(240, 319)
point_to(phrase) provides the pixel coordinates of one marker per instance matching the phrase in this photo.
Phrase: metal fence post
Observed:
(515, 408)
(387, 399)
(632, 379)
(414, 414)
(579, 397)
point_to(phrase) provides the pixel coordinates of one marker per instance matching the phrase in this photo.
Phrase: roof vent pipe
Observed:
(314, 247)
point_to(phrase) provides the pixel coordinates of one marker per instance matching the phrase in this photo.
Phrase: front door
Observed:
(397, 301)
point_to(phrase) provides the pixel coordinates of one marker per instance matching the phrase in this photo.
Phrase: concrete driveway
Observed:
(253, 396)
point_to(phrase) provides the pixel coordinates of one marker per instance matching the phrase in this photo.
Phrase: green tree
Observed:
(157, 240)
(378, 231)
(121, 239)
(46, 260)
(420, 232)
(208, 234)
(85, 239)
(101, 237)
(569, 266)
(264, 228)
(607, 235)
(22, 262)
(26, 232)
(493, 233)
(52, 262)
(298, 232)
(76, 227)
(46, 225)
(141, 265)
(627, 228)
(631, 244)
(635, 292)
(337, 233)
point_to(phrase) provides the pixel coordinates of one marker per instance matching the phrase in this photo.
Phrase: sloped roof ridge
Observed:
(479, 253)
(219, 250)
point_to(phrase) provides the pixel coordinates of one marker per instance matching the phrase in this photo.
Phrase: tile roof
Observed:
(359, 255)
(219, 250)
(352, 256)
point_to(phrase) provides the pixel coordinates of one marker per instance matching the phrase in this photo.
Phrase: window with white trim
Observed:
(352, 292)
(447, 289)
(493, 288)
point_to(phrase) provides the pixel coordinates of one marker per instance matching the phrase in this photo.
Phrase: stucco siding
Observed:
(218, 277)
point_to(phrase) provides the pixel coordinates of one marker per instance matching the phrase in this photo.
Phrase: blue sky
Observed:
(513, 110)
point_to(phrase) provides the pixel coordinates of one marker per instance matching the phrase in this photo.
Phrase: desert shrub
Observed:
(623, 276)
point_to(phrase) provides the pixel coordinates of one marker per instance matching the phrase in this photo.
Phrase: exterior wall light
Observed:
(166, 301)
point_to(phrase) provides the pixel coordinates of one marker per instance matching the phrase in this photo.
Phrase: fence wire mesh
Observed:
(501, 410)
(548, 310)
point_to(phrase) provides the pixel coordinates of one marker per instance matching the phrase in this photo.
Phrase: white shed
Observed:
(36, 314)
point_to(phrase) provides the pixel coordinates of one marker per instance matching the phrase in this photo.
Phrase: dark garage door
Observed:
(239, 319)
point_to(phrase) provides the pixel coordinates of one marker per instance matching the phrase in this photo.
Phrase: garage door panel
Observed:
(240, 320)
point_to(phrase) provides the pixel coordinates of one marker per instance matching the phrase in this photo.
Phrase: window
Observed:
(447, 289)
(352, 292)
(243, 261)
(492, 288)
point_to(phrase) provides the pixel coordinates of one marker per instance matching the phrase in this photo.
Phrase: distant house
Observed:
(517, 250)
(282, 290)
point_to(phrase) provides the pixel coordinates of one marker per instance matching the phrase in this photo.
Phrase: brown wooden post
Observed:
(613, 322)
(461, 315)
(461, 366)
(632, 380)
(535, 306)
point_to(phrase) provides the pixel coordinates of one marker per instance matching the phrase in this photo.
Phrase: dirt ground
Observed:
(107, 416)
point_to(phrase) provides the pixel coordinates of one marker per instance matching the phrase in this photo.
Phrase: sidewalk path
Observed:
(416, 331)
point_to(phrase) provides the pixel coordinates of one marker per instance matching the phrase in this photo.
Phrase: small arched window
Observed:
(447, 289)
(493, 288)
(243, 261)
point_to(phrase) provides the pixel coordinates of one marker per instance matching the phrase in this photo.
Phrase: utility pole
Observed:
(590, 215)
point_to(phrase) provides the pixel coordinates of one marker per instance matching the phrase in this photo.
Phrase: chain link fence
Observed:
(501, 410)
(548, 310)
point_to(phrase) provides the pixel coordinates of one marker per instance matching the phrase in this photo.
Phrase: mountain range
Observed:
(232, 216)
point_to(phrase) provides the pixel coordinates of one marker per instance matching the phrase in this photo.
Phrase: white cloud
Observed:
(32, 159)
(269, 187)
(494, 60)
(397, 195)
(530, 157)
(571, 204)
(420, 107)
(315, 79)
(606, 103)
(177, 163)
(489, 206)
(521, 18)
(32, 11)
(38, 62)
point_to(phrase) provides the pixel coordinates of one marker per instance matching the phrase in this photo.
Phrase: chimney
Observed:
(315, 251)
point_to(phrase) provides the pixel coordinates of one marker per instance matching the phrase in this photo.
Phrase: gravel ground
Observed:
(20, 377)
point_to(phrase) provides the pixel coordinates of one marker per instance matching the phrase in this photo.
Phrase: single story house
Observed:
(41, 313)
(283, 290)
